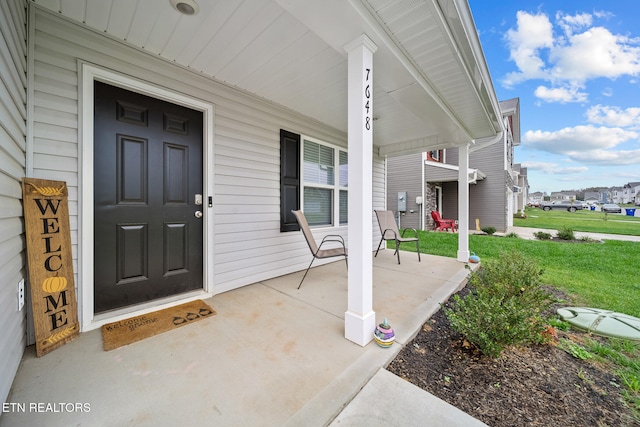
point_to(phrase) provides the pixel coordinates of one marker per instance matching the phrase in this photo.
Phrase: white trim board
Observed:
(88, 74)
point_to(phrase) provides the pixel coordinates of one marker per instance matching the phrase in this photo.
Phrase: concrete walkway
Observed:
(271, 356)
(528, 233)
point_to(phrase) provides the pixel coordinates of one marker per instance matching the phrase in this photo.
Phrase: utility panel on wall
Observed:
(402, 201)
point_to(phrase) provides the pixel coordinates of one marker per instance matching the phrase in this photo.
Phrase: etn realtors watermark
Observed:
(41, 408)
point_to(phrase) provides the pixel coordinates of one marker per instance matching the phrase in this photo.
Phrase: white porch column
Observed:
(463, 203)
(360, 319)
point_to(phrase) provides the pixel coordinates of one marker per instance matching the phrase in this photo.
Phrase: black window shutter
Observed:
(289, 179)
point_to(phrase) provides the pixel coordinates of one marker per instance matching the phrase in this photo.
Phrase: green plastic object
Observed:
(602, 322)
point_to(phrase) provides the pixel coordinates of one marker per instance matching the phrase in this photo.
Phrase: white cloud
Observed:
(578, 138)
(560, 94)
(577, 52)
(603, 14)
(571, 23)
(614, 116)
(554, 168)
(592, 54)
(608, 157)
(585, 144)
(533, 33)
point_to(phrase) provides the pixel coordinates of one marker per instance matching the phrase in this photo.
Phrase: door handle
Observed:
(198, 214)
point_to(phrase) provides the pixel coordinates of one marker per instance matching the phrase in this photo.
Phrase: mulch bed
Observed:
(535, 386)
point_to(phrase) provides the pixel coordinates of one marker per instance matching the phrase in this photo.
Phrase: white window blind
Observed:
(325, 180)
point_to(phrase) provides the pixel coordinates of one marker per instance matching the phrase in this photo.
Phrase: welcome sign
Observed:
(49, 259)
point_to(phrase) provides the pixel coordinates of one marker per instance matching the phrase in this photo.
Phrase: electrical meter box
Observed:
(402, 201)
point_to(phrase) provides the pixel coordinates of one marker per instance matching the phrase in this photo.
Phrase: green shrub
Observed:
(488, 230)
(505, 306)
(513, 236)
(541, 235)
(566, 233)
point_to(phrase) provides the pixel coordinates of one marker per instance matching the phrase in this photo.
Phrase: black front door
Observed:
(147, 173)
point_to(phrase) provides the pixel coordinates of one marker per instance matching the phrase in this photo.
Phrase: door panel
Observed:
(147, 169)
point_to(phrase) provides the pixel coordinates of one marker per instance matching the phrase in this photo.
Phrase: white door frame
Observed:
(438, 196)
(88, 74)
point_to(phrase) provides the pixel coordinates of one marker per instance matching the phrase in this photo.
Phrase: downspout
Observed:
(423, 193)
(31, 37)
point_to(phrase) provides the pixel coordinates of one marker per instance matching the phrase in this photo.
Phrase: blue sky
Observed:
(575, 65)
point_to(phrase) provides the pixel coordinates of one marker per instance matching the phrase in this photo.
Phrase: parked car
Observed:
(562, 204)
(611, 208)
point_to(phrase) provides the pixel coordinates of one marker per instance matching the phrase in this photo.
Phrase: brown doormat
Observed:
(137, 328)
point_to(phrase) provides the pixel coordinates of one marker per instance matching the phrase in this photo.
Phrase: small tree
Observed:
(505, 306)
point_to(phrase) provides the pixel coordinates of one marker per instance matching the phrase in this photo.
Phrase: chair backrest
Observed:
(388, 224)
(306, 231)
(435, 215)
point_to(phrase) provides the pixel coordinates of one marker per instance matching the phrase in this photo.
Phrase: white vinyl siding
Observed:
(248, 245)
(13, 113)
(379, 199)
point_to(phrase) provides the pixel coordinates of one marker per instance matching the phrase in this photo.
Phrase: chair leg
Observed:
(398, 250)
(305, 273)
(418, 248)
(381, 240)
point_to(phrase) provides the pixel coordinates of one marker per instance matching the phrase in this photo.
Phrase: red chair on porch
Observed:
(443, 224)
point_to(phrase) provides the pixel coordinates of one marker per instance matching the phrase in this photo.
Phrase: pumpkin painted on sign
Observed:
(54, 284)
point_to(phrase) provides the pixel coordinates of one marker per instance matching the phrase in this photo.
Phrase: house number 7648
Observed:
(367, 100)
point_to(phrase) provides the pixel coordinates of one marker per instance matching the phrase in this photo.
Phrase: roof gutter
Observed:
(475, 147)
(484, 88)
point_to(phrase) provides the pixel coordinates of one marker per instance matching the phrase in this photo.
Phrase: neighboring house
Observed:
(562, 196)
(635, 193)
(430, 180)
(628, 193)
(246, 110)
(617, 195)
(593, 197)
(536, 197)
(521, 189)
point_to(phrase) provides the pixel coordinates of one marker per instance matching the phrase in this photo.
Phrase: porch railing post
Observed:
(360, 318)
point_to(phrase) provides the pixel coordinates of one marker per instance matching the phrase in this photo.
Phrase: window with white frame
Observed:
(324, 183)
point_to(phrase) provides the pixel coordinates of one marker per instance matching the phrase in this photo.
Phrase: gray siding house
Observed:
(498, 187)
(281, 92)
(521, 190)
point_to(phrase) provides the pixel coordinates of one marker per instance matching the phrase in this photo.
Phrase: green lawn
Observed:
(583, 220)
(601, 275)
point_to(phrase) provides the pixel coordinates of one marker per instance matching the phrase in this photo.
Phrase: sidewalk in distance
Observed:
(528, 233)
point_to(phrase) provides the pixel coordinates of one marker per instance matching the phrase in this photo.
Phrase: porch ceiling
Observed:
(431, 84)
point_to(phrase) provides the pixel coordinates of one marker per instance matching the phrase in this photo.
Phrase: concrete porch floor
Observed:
(272, 356)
